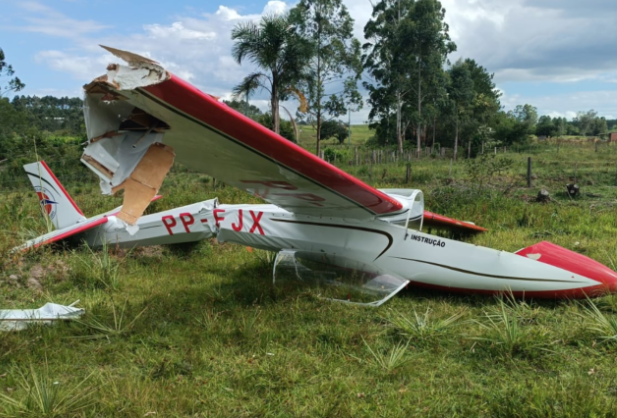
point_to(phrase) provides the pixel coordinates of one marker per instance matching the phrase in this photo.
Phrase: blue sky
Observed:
(558, 55)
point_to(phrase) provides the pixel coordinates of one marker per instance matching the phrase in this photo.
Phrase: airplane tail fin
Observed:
(55, 201)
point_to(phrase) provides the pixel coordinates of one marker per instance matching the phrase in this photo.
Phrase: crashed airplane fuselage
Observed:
(139, 117)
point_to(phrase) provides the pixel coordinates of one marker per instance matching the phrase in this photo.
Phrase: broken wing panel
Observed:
(210, 137)
(19, 319)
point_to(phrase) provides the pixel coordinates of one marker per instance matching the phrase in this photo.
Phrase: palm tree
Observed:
(275, 47)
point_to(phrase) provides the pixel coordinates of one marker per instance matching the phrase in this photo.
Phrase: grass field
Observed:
(200, 331)
(359, 135)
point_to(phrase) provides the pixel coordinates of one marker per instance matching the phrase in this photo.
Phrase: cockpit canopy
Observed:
(412, 214)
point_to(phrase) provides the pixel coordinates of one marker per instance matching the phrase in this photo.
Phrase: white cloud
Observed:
(546, 40)
(197, 49)
(227, 14)
(567, 104)
(80, 67)
(46, 20)
(177, 30)
(528, 40)
(275, 8)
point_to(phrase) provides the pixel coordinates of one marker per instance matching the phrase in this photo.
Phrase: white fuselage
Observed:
(409, 254)
(412, 255)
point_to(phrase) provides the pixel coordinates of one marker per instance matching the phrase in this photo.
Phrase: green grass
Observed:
(200, 331)
(359, 135)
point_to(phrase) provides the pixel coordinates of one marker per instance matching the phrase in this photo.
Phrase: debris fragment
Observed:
(18, 319)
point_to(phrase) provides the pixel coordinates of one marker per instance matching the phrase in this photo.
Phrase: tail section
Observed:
(55, 200)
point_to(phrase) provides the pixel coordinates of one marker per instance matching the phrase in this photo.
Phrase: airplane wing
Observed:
(433, 220)
(61, 234)
(208, 136)
(132, 108)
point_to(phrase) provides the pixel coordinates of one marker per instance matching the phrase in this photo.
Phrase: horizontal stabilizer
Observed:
(61, 234)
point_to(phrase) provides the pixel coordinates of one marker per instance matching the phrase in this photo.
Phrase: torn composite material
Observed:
(19, 319)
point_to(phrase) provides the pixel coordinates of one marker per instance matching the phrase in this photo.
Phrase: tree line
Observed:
(416, 96)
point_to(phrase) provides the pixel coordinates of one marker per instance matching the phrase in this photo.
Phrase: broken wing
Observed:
(137, 107)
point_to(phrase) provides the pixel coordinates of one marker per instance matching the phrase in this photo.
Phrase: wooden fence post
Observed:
(529, 172)
(408, 174)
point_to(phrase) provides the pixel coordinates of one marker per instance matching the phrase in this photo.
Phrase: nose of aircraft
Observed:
(548, 253)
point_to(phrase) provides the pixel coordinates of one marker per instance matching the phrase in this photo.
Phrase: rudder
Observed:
(53, 197)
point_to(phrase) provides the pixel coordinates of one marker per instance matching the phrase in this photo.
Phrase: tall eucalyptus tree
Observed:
(332, 73)
(407, 46)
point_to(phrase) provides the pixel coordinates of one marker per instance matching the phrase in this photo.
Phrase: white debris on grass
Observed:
(18, 319)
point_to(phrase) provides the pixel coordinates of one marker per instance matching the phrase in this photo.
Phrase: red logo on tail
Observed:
(47, 202)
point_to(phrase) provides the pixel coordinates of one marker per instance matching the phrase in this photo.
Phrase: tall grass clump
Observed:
(423, 327)
(390, 360)
(602, 325)
(119, 323)
(508, 331)
(99, 269)
(41, 396)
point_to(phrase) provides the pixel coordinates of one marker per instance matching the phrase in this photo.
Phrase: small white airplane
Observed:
(325, 224)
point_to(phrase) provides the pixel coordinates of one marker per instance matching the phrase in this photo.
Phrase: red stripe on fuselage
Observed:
(578, 293)
(554, 255)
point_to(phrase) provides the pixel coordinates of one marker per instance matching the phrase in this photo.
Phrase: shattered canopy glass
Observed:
(336, 277)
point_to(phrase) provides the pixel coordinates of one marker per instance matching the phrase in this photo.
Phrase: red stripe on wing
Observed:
(191, 101)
